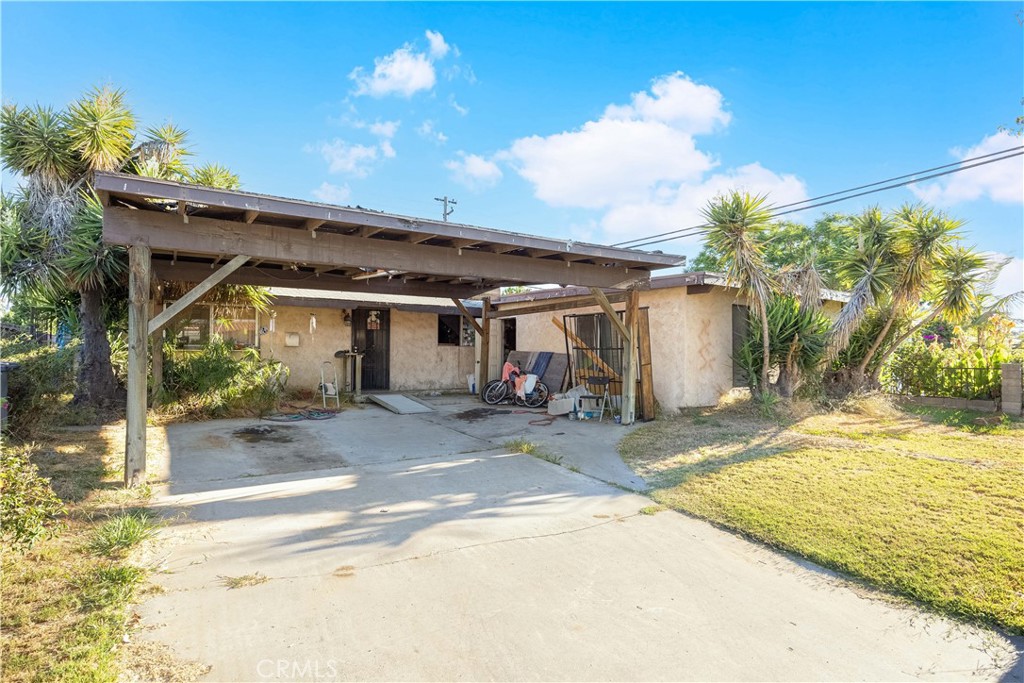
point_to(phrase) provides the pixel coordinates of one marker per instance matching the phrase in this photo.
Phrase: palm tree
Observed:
(893, 266)
(737, 223)
(58, 153)
(52, 232)
(955, 294)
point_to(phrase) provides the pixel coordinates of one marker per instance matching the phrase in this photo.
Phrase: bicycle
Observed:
(499, 391)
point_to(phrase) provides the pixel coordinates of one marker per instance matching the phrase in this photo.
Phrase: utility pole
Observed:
(447, 211)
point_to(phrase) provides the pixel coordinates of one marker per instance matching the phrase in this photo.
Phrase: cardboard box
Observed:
(561, 406)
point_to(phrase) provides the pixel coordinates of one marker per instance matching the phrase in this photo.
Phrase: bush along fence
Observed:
(987, 389)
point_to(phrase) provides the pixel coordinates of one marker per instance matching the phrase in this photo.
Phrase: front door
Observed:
(371, 336)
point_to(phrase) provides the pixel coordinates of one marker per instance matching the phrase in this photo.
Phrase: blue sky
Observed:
(599, 122)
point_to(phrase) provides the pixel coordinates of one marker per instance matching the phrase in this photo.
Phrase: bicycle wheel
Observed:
(494, 392)
(537, 397)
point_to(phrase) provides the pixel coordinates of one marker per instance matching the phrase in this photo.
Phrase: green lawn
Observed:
(925, 504)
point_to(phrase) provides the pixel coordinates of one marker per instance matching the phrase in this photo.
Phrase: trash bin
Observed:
(4, 369)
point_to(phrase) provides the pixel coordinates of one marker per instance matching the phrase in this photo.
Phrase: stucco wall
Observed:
(417, 361)
(305, 360)
(691, 342)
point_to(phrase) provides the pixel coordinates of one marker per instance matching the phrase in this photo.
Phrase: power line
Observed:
(808, 203)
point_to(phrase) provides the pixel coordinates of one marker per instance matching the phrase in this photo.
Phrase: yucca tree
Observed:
(893, 266)
(52, 230)
(954, 295)
(737, 223)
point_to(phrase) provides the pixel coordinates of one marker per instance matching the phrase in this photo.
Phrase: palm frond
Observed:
(88, 263)
(215, 175)
(101, 128)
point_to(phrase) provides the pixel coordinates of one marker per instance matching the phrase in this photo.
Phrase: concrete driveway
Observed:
(410, 548)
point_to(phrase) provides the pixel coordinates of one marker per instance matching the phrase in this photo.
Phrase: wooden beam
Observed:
(629, 372)
(485, 347)
(266, 276)
(138, 303)
(551, 305)
(250, 216)
(157, 350)
(137, 187)
(286, 245)
(468, 316)
(587, 351)
(699, 289)
(312, 224)
(196, 293)
(647, 407)
(606, 306)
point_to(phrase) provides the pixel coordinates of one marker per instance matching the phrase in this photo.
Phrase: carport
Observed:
(175, 231)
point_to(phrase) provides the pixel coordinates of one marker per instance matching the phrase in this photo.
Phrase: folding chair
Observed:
(602, 397)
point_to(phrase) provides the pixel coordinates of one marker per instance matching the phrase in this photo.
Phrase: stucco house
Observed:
(411, 343)
(407, 342)
(696, 321)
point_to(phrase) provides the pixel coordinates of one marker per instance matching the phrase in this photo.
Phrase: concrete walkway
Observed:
(402, 547)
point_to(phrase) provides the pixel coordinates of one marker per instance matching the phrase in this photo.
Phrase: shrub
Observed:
(43, 375)
(217, 380)
(28, 506)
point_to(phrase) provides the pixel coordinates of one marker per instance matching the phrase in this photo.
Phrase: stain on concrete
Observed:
(476, 414)
(264, 434)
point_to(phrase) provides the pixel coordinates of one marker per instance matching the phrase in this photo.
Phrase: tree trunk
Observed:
(766, 345)
(96, 381)
(861, 370)
(902, 338)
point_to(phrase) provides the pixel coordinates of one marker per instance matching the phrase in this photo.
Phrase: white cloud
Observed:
(1010, 280)
(640, 163)
(332, 194)
(403, 72)
(675, 100)
(671, 208)
(427, 130)
(349, 159)
(384, 129)
(457, 107)
(438, 47)
(474, 171)
(1002, 181)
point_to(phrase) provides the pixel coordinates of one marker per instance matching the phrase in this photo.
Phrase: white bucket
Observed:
(471, 382)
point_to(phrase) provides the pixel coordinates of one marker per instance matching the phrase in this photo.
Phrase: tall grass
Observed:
(122, 532)
(218, 381)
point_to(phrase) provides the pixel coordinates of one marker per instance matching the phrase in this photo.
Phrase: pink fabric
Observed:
(506, 371)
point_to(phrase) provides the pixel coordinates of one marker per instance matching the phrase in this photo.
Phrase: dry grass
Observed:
(65, 608)
(927, 504)
(234, 582)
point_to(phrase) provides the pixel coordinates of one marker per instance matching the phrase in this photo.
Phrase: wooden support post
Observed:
(138, 309)
(606, 306)
(157, 350)
(194, 294)
(468, 316)
(629, 372)
(485, 347)
(646, 369)
(587, 351)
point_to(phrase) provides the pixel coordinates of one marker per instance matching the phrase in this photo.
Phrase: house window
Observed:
(454, 330)
(236, 325)
(595, 330)
(740, 330)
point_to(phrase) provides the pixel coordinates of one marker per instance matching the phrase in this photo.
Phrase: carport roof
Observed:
(321, 246)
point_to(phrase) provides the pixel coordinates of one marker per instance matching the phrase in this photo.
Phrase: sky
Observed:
(594, 122)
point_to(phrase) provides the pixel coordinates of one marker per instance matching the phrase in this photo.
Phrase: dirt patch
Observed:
(146, 660)
(264, 433)
(476, 414)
